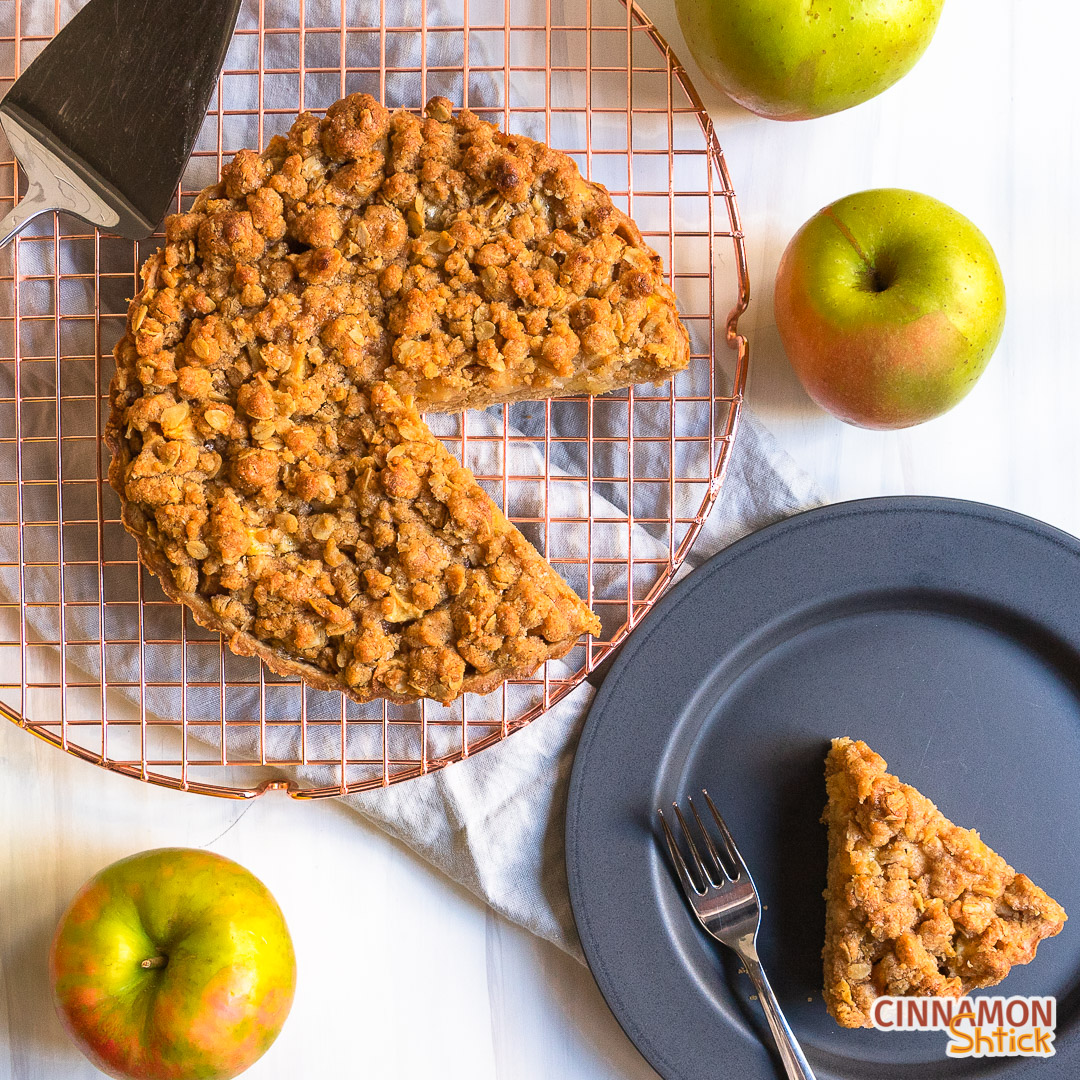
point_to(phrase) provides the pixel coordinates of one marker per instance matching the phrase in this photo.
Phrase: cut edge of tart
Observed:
(915, 905)
(463, 603)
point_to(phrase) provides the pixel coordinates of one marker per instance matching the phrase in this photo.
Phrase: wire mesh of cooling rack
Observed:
(613, 490)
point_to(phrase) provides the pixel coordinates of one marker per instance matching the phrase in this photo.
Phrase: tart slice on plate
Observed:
(915, 905)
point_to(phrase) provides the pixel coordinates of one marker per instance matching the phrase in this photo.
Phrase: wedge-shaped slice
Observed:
(915, 905)
(355, 551)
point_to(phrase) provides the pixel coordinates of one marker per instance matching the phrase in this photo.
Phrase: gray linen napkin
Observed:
(494, 823)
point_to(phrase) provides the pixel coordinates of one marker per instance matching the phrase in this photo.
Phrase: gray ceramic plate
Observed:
(947, 635)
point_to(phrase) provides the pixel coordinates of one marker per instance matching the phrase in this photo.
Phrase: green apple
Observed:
(889, 305)
(797, 59)
(175, 964)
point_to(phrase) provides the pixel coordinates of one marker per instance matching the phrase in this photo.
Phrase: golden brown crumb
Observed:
(369, 561)
(915, 905)
(266, 449)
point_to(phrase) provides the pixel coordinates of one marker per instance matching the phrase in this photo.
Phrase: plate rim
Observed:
(1015, 1067)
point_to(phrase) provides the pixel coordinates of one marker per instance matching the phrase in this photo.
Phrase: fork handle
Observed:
(795, 1063)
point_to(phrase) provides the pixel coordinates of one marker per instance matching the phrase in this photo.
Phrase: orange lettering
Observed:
(968, 1044)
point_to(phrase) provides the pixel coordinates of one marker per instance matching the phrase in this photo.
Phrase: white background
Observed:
(402, 974)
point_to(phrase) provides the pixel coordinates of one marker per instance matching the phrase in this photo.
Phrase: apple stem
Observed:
(155, 962)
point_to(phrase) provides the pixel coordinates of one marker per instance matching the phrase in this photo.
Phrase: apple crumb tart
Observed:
(267, 445)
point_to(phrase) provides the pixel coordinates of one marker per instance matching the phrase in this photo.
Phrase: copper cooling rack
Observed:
(613, 490)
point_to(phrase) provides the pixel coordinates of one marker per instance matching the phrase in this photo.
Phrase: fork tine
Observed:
(677, 857)
(730, 847)
(721, 876)
(699, 864)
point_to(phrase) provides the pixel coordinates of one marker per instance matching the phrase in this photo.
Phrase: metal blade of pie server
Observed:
(103, 121)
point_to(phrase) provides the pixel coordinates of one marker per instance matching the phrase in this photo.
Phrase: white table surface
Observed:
(405, 976)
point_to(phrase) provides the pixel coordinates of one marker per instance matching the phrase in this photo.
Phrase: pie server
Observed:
(103, 121)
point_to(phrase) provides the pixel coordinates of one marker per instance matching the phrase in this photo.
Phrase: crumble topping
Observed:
(355, 545)
(915, 905)
(267, 446)
(461, 264)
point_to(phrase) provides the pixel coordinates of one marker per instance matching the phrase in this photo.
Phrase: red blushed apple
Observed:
(175, 964)
(889, 305)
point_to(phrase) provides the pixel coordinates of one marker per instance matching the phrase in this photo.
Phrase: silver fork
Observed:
(725, 901)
